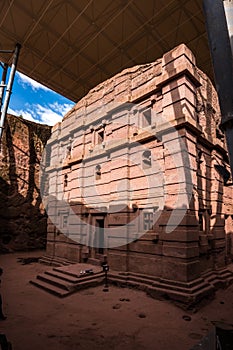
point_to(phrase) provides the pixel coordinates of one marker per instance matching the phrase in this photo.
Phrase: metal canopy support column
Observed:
(220, 48)
(9, 88)
(3, 83)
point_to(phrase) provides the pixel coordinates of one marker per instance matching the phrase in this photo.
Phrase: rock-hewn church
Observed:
(138, 172)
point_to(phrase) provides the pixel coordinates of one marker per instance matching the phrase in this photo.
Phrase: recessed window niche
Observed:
(146, 159)
(98, 172)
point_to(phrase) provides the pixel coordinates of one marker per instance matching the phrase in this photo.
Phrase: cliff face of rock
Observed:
(23, 219)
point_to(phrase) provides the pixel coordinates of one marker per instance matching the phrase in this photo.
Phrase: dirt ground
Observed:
(94, 320)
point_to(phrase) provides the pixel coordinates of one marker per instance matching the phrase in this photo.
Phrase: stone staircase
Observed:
(185, 293)
(219, 278)
(65, 280)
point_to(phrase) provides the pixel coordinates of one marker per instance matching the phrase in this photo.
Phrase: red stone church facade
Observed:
(141, 158)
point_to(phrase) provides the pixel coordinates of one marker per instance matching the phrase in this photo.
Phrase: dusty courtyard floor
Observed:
(93, 320)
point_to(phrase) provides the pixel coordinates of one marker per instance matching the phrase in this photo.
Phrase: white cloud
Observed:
(26, 81)
(50, 115)
(24, 114)
(61, 108)
(47, 115)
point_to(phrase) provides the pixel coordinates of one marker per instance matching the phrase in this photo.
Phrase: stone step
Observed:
(134, 281)
(47, 262)
(61, 292)
(125, 282)
(230, 278)
(63, 276)
(61, 284)
(190, 284)
(151, 279)
(187, 290)
(156, 292)
(219, 282)
(219, 278)
(226, 275)
(74, 274)
(163, 290)
(54, 261)
(71, 277)
(144, 283)
(219, 273)
(50, 288)
(56, 281)
(207, 274)
(93, 282)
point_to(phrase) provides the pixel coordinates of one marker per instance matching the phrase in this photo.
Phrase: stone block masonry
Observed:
(142, 156)
(22, 216)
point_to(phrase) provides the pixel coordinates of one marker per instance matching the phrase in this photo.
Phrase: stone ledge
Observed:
(188, 295)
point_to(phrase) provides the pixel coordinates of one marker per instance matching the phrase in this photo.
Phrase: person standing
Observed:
(2, 317)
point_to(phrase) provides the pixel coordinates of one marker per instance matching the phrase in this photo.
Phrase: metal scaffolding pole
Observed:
(9, 88)
(220, 49)
(3, 83)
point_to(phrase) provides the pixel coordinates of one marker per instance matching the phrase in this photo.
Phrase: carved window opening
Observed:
(201, 221)
(146, 159)
(100, 136)
(65, 180)
(204, 220)
(223, 172)
(146, 118)
(98, 172)
(199, 159)
(147, 221)
(64, 220)
(69, 152)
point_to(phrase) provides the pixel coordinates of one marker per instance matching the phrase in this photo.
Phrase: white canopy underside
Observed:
(71, 46)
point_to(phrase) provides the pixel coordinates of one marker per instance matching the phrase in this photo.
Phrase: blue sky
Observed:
(36, 102)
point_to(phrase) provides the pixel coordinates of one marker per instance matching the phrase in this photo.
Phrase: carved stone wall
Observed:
(131, 150)
(22, 216)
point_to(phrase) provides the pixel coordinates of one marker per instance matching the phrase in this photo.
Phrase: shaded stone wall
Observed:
(90, 159)
(23, 220)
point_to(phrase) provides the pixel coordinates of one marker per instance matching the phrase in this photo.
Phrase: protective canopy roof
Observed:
(71, 46)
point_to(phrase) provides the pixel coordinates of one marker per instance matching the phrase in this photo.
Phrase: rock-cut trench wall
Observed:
(23, 219)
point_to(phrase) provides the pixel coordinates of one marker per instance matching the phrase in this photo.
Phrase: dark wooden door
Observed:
(100, 236)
